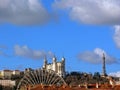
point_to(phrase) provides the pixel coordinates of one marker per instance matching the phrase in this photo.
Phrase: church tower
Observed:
(45, 63)
(54, 64)
(63, 67)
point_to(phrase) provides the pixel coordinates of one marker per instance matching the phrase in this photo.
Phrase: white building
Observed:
(7, 83)
(6, 74)
(16, 72)
(58, 67)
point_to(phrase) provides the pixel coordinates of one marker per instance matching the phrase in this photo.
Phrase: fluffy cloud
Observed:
(117, 35)
(95, 56)
(92, 11)
(23, 12)
(25, 51)
(115, 74)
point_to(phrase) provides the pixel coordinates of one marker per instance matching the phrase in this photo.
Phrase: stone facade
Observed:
(58, 67)
(6, 74)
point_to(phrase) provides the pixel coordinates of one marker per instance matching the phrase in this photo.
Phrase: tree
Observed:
(96, 76)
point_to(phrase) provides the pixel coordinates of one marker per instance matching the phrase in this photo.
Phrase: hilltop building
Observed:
(58, 67)
(16, 72)
(7, 74)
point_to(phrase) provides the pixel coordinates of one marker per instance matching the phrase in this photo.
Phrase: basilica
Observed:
(58, 67)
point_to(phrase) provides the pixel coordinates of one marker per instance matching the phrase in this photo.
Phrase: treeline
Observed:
(77, 78)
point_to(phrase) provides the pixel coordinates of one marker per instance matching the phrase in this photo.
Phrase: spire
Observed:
(63, 59)
(45, 60)
(54, 58)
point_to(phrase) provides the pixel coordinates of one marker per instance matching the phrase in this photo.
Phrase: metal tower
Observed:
(104, 65)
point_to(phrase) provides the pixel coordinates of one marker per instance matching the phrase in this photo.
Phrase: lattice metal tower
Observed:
(104, 66)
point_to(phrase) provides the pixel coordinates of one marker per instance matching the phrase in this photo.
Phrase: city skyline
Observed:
(79, 30)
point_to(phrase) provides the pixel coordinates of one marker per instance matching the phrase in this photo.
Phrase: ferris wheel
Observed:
(40, 77)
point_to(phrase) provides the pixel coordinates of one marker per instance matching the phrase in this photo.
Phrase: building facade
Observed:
(6, 74)
(16, 72)
(7, 83)
(58, 67)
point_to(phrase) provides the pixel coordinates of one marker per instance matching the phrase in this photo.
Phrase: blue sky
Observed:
(79, 30)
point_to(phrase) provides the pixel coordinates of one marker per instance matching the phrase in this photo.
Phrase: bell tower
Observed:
(45, 63)
(63, 67)
(54, 64)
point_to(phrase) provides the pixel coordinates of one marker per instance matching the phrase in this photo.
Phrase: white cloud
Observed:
(95, 56)
(92, 11)
(115, 74)
(117, 35)
(23, 12)
(25, 51)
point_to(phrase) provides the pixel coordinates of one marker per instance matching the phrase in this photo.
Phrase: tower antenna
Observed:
(104, 66)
